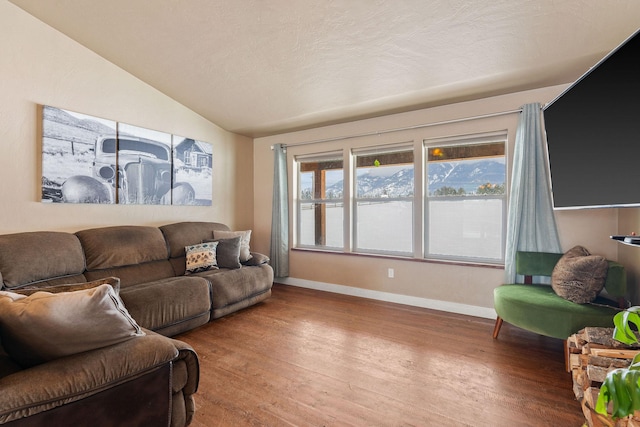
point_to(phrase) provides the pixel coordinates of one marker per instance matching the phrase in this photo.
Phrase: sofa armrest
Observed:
(72, 378)
(190, 358)
(185, 379)
(256, 259)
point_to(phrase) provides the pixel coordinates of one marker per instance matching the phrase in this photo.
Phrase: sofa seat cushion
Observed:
(231, 286)
(554, 316)
(163, 305)
(135, 274)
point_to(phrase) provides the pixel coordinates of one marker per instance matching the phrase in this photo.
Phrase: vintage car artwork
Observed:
(86, 159)
(135, 170)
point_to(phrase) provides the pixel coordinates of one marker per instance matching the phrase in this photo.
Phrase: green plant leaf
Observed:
(622, 322)
(621, 387)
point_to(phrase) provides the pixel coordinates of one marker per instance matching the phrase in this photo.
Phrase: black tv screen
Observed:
(593, 134)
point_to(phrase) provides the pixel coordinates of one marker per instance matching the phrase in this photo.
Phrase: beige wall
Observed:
(468, 286)
(40, 66)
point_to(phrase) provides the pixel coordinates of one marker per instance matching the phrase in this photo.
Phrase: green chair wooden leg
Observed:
(496, 328)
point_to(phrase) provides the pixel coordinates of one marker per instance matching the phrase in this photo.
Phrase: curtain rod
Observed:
(381, 132)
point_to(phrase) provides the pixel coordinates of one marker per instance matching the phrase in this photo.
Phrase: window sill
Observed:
(403, 258)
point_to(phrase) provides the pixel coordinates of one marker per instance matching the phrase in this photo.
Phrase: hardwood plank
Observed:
(311, 358)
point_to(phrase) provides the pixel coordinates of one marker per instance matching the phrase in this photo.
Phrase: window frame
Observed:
(419, 141)
(334, 156)
(461, 141)
(380, 151)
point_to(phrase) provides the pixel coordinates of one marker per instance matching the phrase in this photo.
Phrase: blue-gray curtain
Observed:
(531, 224)
(280, 214)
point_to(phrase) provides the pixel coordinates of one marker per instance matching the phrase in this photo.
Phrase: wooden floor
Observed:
(310, 358)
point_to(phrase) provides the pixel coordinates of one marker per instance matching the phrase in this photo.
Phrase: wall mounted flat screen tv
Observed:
(593, 134)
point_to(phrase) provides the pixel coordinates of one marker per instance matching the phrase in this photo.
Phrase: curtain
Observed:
(280, 214)
(531, 224)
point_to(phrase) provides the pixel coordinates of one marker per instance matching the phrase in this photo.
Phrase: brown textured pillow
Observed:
(44, 326)
(579, 276)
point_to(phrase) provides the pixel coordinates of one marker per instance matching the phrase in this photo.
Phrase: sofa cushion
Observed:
(538, 309)
(245, 251)
(201, 257)
(169, 306)
(579, 276)
(118, 246)
(131, 275)
(228, 252)
(45, 326)
(39, 255)
(231, 286)
(182, 234)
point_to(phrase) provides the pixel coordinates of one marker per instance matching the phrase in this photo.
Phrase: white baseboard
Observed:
(451, 307)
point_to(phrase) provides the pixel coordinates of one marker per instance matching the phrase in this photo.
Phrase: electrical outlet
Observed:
(391, 273)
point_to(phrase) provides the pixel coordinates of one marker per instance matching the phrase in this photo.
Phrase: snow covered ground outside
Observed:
(469, 228)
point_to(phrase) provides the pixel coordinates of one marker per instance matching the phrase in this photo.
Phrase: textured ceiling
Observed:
(260, 67)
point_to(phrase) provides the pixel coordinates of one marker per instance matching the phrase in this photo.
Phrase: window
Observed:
(320, 205)
(383, 200)
(441, 199)
(466, 199)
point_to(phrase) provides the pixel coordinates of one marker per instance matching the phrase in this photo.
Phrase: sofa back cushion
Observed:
(48, 257)
(182, 234)
(118, 246)
(134, 254)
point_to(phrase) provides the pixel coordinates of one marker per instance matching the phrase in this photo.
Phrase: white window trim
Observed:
(368, 151)
(420, 143)
(467, 139)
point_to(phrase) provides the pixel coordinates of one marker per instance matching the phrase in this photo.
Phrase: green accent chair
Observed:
(537, 308)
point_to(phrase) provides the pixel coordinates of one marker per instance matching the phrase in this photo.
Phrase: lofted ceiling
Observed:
(262, 67)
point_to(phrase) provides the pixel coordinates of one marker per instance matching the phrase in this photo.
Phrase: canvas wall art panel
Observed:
(145, 166)
(86, 159)
(193, 166)
(68, 154)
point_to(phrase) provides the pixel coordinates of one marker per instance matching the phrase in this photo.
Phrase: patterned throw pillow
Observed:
(201, 257)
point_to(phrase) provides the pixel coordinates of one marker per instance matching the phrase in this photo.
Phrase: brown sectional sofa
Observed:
(148, 380)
